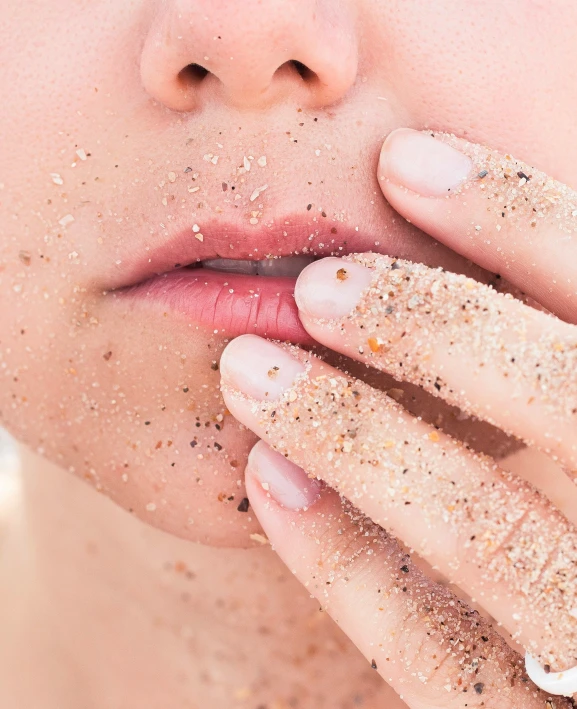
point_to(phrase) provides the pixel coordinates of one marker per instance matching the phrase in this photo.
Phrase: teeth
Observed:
(230, 265)
(289, 266)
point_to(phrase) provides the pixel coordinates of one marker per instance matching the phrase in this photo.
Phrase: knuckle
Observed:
(347, 549)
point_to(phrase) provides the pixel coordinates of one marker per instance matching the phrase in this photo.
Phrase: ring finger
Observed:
(493, 535)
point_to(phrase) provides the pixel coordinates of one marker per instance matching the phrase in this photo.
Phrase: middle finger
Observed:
(495, 536)
(488, 353)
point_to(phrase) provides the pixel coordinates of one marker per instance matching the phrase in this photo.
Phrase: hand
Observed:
(491, 533)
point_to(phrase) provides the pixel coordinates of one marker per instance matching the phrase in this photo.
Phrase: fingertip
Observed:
(331, 288)
(421, 163)
(384, 169)
(235, 348)
(258, 368)
(285, 524)
(281, 481)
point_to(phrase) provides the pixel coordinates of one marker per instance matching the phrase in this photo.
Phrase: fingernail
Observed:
(423, 164)
(284, 481)
(258, 368)
(331, 288)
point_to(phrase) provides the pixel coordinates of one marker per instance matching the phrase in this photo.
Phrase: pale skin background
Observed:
(102, 611)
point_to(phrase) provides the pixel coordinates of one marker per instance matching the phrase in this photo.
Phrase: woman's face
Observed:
(118, 164)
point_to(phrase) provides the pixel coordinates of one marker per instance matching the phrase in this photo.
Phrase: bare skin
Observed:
(115, 139)
(80, 566)
(206, 627)
(500, 540)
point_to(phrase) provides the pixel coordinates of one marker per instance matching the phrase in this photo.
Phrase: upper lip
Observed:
(288, 236)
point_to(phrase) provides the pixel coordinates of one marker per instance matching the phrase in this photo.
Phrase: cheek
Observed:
(503, 74)
(74, 384)
(94, 388)
(114, 401)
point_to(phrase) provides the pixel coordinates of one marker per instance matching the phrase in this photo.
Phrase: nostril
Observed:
(193, 74)
(302, 70)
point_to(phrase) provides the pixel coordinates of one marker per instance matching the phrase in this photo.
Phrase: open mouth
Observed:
(231, 278)
(229, 297)
(281, 267)
(250, 292)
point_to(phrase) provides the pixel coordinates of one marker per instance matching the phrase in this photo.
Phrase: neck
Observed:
(116, 613)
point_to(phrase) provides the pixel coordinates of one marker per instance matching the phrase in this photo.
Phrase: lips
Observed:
(192, 244)
(228, 305)
(285, 266)
(232, 280)
(171, 274)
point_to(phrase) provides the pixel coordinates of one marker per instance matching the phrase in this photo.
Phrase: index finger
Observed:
(500, 212)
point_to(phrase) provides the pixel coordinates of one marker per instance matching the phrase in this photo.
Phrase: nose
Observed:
(250, 54)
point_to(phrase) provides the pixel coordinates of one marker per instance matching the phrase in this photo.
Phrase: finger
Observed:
(477, 434)
(492, 534)
(497, 211)
(429, 646)
(485, 352)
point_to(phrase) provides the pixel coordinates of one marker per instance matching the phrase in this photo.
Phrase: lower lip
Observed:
(228, 304)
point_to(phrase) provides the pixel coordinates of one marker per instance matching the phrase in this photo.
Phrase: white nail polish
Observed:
(423, 164)
(284, 482)
(331, 288)
(259, 368)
